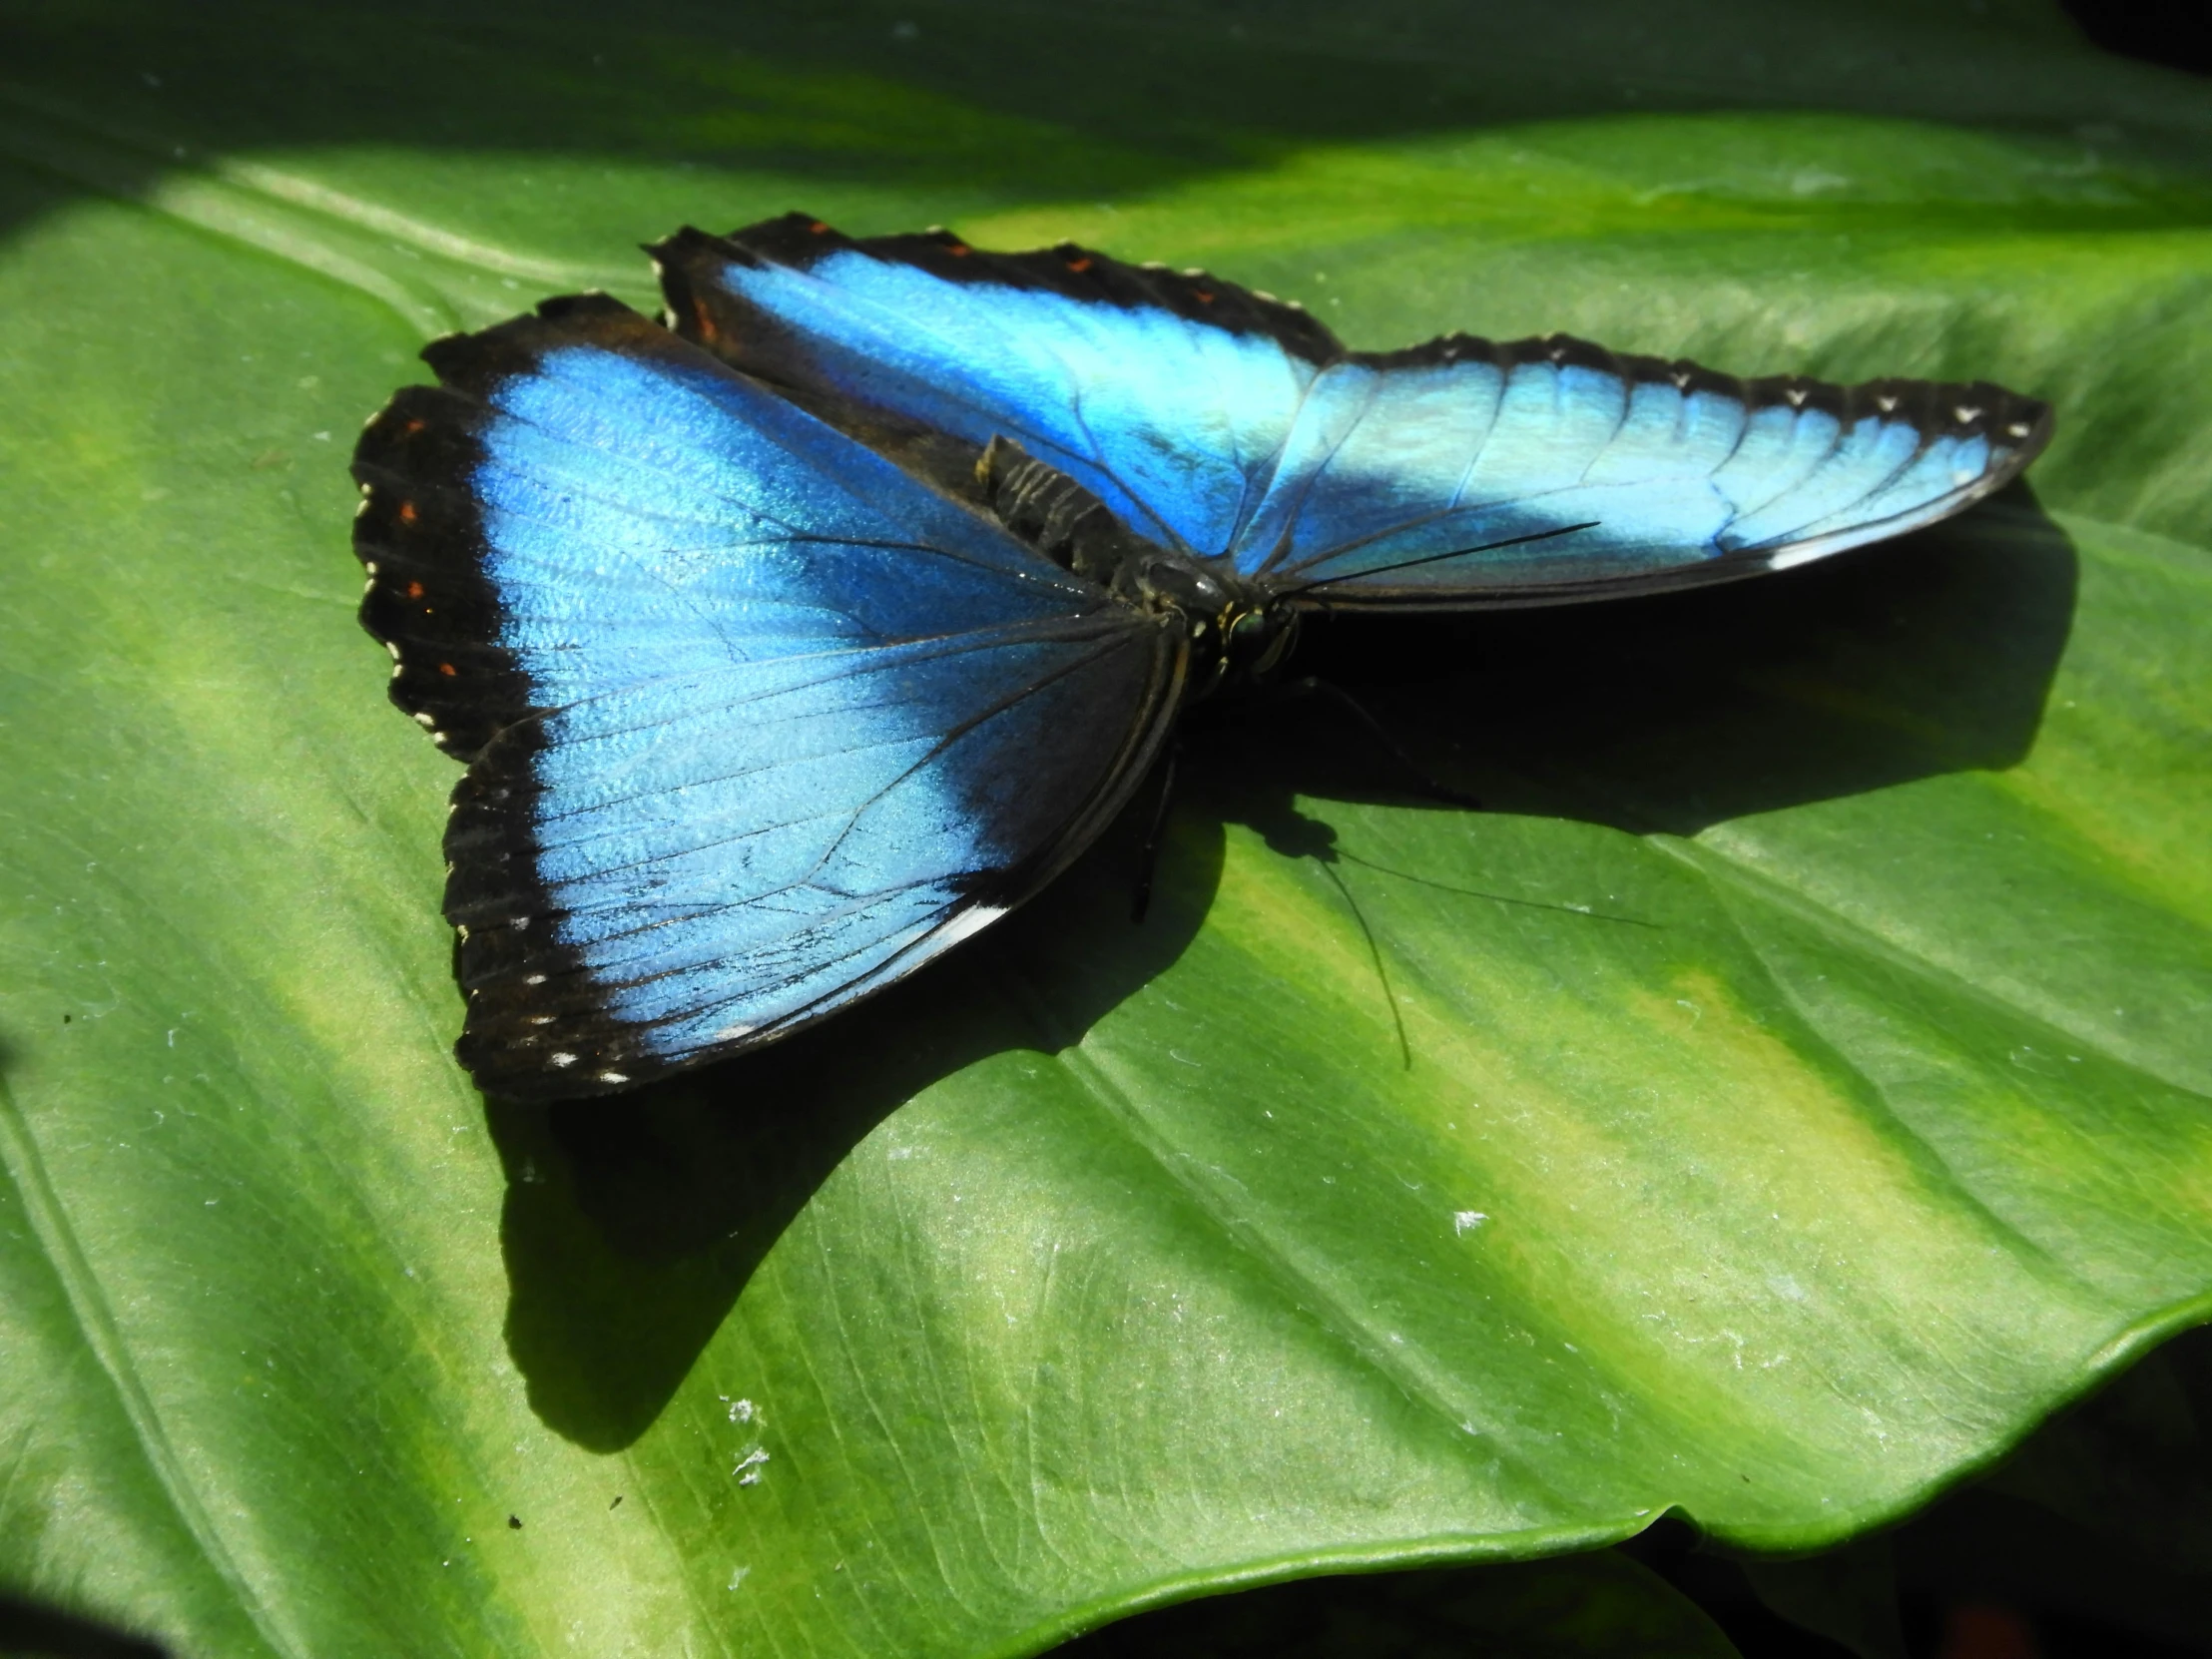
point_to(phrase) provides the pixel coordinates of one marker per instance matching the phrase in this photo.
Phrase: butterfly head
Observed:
(1238, 636)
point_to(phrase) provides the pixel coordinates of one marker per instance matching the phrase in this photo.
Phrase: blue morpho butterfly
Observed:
(795, 640)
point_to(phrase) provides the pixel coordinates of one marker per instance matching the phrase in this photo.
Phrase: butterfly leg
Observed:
(1148, 857)
(1430, 783)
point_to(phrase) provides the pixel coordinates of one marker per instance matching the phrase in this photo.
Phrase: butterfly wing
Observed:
(1169, 397)
(757, 721)
(1458, 473)
(1465, 472)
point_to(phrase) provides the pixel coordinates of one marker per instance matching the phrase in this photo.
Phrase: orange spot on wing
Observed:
(448, 670)
(706, 323)
(414, 590)
(958, 249)
(1082, 264)
(1202, 296)
(406, 512)
(818, 228)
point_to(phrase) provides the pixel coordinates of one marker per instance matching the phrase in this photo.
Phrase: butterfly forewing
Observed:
(1168, 396)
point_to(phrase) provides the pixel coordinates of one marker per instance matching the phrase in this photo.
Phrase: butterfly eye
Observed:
(1277, 648)
(1255, 642)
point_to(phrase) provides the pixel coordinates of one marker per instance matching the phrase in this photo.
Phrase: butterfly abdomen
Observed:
(1053, 514)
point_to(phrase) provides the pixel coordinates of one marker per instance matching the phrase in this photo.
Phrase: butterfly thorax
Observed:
(1238, 635)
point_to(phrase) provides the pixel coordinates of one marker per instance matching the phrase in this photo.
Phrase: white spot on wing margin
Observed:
(968, 923)
(1794, 556)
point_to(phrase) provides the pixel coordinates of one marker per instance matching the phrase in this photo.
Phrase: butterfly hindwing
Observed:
(1228, 425)
(758, 722)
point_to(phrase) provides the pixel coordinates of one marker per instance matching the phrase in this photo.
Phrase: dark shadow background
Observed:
(629, 1230)
(2176, 33)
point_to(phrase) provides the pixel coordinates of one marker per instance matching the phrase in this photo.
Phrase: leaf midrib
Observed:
(1717, 862)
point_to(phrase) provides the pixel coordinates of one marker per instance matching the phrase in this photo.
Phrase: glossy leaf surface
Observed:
(1790, 1090)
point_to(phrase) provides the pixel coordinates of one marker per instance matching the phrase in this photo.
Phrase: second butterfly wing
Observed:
(757, 723)
(1471, 472)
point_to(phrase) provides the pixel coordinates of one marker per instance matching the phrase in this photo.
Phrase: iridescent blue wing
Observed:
(1465, 473)
(1458, 473)
(757, 723)
(1170, 397)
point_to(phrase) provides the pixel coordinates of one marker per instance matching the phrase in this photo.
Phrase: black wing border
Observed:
(799, 240)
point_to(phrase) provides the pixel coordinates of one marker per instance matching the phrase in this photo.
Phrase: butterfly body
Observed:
(1238, 632)
(794, 642)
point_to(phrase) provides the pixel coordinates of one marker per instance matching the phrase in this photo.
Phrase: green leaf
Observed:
(1787, 1093)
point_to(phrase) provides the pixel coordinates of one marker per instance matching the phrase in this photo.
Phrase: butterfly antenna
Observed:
(1374, 950)
(1438, 558)
(1581, 910)
(1313, 686)
(1149, 858)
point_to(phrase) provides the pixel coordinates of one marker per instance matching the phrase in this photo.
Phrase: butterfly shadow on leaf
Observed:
(1677, 712)
(632, 1224)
